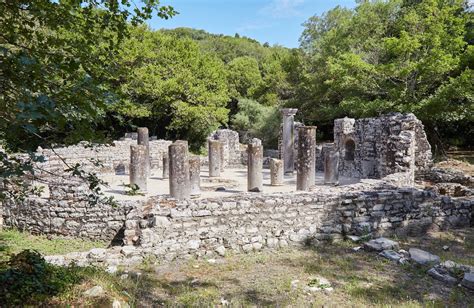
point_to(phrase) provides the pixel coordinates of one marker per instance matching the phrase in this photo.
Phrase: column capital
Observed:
(288, 111)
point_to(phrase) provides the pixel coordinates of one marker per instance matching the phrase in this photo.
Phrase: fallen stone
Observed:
(55, 260)
(356, 249)
(221, 251)
(112, 269)
(97, 253)
(96, 291)
(391, 255)
(442, 275)
(128, 250)
(353, 238)
(423, 257)
(445, 248)
(468, 281)
(380, 244)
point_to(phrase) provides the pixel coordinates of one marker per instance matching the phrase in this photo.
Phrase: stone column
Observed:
(138, 175)
(276, 172)
(331, 167)
(306, 167)
(287, 153)
(179, 170)
(195, 175)
(255, 166)
(144, 139)
(166, 166)
(221, 155)
(214, 158)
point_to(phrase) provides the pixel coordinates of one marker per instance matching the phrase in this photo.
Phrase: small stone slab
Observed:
(391, 255)
(94, 292)
(442, 275)
(468, 281)
(380, 244)
(423, 257)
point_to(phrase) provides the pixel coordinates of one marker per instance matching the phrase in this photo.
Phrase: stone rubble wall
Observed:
(113, 158)
(240, 223)
(68, 212)
(394, 143)
(170, 229)
(232, 151)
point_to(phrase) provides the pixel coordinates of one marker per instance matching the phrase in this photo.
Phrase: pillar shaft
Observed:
(276, 172)
(331, 168)
(254, 166)
(138, 175)
(306, 167)
(214, 158)
(221, 156)
(143, 138)
(179, 170)
(166, 166)
(288, 140)
(195, 174)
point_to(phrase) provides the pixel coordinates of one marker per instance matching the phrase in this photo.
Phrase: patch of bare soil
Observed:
(459, 165)
(280, 279)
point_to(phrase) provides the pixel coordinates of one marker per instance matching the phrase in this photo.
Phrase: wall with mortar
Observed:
(378, 147)
(245, 223)
(114, 158)
(241, 223)
(67, 211)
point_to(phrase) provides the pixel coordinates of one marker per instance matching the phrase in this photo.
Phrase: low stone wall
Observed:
(114, 158)
(244, 223)
(67, 211)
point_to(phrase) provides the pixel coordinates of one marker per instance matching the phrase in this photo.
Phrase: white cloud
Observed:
(283, 8)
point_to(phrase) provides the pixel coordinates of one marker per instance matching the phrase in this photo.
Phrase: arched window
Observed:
(349, 150)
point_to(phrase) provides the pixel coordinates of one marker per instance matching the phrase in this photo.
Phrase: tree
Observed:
(243, 76)
(171, 83)
(55, 72)
(383, 56)
(54, 66)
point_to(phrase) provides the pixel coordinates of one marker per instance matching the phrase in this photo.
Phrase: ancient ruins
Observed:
(171, 204)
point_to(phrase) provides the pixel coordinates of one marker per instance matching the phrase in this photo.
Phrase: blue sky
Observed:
(272, 21)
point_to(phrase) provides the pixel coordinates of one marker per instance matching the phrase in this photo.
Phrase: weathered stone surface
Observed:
(138, 166)
(166, 166)
(143, 138)
(288, 139)
(380, 147)
(179, 170)
(195, 175)
(276, 172)
(423, 257)
(255, 166)
(391, 255)
(214, 151)
(468, 281)
(380, 244)
(95, 291)
(331, 168)
(306, 168)
(442, 275)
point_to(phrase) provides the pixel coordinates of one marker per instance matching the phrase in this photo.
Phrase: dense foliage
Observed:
(396, 55)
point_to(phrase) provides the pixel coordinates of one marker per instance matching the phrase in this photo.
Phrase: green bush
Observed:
(28, 279)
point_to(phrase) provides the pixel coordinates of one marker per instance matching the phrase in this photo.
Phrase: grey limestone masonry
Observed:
(244, 222)
(378, 147)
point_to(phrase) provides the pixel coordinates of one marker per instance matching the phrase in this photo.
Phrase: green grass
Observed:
(13, 241)
(359, 279)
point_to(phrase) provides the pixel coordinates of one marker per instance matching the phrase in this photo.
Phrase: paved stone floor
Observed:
(233, 180)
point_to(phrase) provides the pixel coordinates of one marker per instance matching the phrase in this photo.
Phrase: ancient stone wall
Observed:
(114, 158)
(169, 228)
(232, 151)
(379, 147)
(67, 211)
